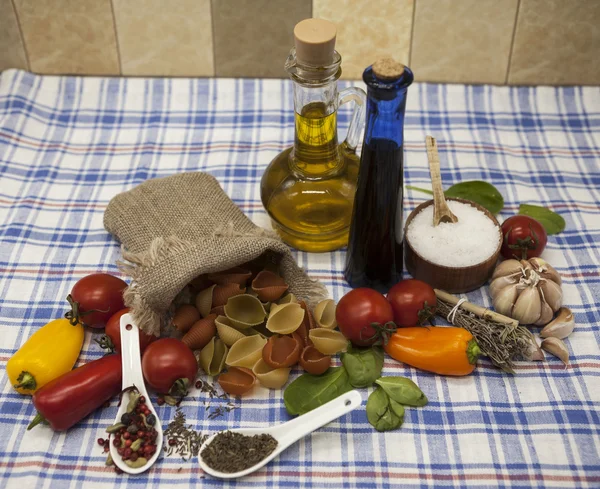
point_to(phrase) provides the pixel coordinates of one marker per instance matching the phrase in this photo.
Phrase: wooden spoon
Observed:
(441, 211)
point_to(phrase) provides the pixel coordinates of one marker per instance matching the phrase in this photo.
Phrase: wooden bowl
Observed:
(451, 279)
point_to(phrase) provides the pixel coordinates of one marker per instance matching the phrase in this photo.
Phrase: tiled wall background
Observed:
(548, 42)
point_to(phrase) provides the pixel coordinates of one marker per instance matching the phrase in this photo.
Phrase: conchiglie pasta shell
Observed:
(228, 334)
(245, 311)
(235, 275)
(200, 333)
(268, 377)
(328, 341)
(269, 286)
(218, 311)
(212, 357)
(308, 323)
(285, 318)
(223, 292)
(237, 381)
(325, 314)
(204, 301)
(286, 299)
(185, 316)
(246, 351)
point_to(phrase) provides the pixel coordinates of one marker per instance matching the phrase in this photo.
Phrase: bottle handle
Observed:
(357, 122)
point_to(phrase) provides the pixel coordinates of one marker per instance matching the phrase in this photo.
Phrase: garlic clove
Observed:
(545, 270)
(535, 353)
(526, 266)
(507, 267)
(502, 282)
(557, 348)
(561, 327)
(552, 293)
(504, 300)
(546, 314)
(528, 307)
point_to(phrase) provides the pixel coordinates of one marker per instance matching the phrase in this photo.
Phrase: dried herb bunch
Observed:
(502, 343)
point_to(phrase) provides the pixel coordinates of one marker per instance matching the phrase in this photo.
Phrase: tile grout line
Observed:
(512, 42)
(214, 44)
(114, 18)
(23, 43)
(412, 33)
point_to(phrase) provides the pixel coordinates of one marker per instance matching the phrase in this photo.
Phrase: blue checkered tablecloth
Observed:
(67, 145)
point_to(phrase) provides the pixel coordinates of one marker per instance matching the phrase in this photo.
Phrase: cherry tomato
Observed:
(413, 302)
(524, 238)
(362, 314)
(95, 298)
(169, 366)
(113, 331)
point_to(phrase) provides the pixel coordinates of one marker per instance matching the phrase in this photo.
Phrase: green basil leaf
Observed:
(380, 413)
(403, 390)
(308, 391)
(363, 365)
(397, 408)
(553, 223)
(480, 192)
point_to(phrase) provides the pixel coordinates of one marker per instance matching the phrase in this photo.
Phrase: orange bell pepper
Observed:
(441, 350)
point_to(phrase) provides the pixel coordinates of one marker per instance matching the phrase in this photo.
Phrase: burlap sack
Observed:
(176, 228)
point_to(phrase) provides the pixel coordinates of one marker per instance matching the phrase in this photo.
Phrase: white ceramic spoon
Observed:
(289, 432)
(132, 375)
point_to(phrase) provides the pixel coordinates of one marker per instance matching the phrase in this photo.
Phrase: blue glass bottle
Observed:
(374, 257)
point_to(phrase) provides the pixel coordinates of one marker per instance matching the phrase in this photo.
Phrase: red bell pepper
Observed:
(69, 398)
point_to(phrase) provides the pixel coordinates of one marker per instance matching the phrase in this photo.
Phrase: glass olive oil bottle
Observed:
(308, 189)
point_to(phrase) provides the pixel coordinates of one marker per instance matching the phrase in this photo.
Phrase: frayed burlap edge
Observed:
(133, 265)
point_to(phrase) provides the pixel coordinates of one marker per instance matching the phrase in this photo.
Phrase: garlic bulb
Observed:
(527, 290)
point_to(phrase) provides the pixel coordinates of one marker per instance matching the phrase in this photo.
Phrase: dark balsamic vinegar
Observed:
(375, 244)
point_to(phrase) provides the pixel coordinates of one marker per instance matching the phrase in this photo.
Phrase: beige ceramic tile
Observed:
(253, 37)
(12, 52)
(462, 41)
(69, 36)
(368, 30)
(165, 38)
(557, 42)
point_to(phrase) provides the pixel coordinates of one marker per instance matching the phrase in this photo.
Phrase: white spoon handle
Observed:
(307, 423)
(130, 354)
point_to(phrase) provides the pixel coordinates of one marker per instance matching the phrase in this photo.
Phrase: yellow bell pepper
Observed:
(49, 353)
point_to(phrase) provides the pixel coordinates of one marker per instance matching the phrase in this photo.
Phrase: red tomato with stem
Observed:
(95, 298)
(169, 366)
(113, 332)
(365, 317)
(413, 302)
(524, 238)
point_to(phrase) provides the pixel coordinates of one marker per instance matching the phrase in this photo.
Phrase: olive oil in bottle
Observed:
(308, 189)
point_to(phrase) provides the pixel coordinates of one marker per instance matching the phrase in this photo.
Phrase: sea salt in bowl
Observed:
(456, 257)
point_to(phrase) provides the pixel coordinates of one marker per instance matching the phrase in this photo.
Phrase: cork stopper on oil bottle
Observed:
(388, 69)
(314, 40)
